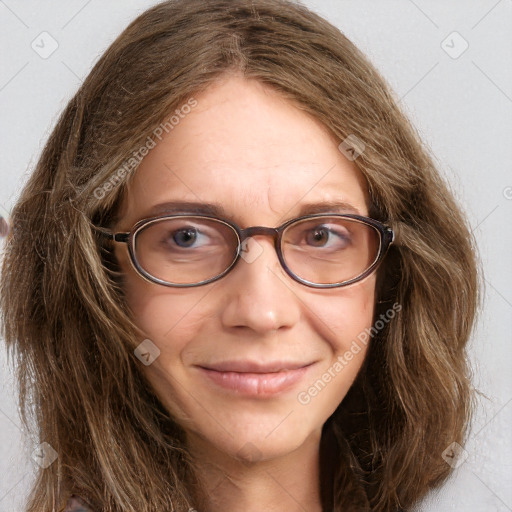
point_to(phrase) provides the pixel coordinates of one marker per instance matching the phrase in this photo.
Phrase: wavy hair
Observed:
(64, 316)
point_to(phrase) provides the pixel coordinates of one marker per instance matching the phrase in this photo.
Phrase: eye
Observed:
(328, 237)
(186, 237)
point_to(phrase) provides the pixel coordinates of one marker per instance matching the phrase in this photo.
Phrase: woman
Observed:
(179, 358)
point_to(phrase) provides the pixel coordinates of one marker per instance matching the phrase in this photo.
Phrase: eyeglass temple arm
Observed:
(116, 237)
(390, 234)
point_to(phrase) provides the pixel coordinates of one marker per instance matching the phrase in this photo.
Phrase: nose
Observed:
(259, 294)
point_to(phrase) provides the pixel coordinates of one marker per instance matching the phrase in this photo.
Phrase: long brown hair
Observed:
(66, 321)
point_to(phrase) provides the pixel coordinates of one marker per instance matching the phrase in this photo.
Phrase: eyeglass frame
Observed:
(387, 237)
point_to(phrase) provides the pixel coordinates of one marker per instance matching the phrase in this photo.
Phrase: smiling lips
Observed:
(255, 379)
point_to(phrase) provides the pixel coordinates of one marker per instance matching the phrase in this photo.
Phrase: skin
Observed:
(261, 158)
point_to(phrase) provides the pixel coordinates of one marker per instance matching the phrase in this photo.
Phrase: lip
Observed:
(246, 366)
(255, 379)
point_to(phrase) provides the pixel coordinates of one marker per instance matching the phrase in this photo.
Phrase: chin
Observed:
(257, 438)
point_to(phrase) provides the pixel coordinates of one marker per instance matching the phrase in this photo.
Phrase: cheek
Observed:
(344, 320)
(156, 310)
(171, 319)
(167, 314)
(344, 313)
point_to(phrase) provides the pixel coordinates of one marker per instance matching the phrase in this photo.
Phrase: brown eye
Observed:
(323, 236)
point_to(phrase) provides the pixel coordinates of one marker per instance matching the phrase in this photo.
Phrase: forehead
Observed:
(247, 149)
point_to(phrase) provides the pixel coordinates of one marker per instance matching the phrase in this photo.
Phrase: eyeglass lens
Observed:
(321, 250)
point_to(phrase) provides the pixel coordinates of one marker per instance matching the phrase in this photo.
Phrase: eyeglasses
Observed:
(319, 250)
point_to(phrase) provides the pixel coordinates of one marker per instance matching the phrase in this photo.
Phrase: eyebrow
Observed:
(219, 211)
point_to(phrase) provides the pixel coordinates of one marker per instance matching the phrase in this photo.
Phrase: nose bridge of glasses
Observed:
(258, 230)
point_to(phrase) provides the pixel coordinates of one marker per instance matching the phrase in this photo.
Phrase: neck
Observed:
(290, 482)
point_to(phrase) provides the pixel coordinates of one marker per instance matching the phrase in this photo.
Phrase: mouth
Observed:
(255, 379)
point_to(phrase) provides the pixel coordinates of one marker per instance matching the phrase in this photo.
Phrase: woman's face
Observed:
(261, 159)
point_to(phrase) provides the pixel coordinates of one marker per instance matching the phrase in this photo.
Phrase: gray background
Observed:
(460, 104)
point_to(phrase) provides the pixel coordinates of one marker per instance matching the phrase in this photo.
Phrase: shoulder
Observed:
(76, 504)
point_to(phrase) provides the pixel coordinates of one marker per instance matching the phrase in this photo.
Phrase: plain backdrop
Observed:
(448, 64)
